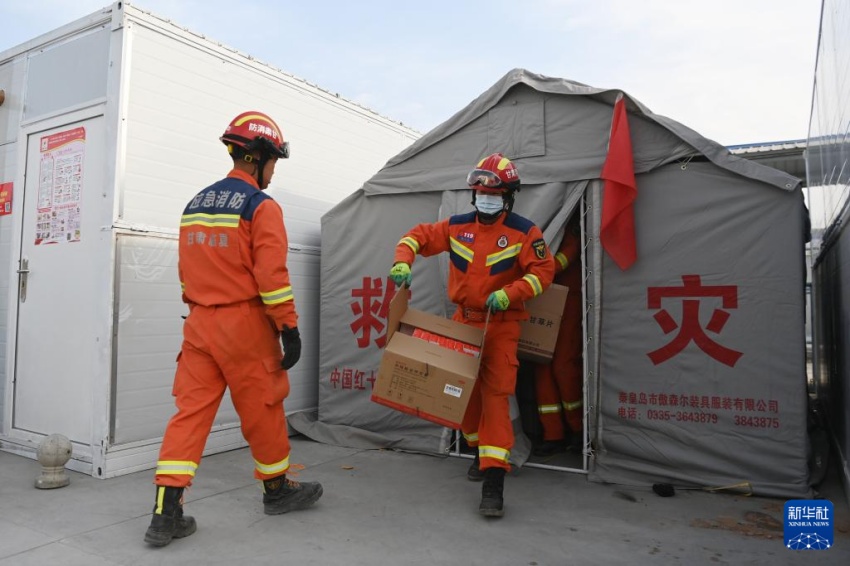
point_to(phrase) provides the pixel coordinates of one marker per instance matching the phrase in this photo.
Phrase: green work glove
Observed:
(400, 274)
(498, 301)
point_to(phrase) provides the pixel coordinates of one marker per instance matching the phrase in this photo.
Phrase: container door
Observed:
(57, 336)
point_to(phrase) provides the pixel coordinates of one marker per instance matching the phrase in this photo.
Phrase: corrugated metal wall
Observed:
(828, 163)
(177, 111)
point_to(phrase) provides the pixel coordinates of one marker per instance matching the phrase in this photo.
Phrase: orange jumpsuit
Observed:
(511, 255)
(559, 383)
(233, 273)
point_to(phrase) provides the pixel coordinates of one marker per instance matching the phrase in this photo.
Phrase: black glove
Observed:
(291, 340)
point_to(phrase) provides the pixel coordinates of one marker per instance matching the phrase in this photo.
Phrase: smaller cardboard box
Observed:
(539, 334)
(429, 365)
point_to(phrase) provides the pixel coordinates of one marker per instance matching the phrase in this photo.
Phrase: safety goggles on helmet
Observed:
(486, 179)
(264, 144)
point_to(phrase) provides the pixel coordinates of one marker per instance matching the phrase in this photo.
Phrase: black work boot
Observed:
(168, 521)
(491, 493)
(474, 472)
(575, 444)
(281, 495)
(549, 448)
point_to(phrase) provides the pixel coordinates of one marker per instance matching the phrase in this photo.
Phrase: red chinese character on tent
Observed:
(690, 330)
(335, 377)
(371, 309)
(347, 378)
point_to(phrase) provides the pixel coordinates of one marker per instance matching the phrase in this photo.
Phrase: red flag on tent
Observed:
(617, 232)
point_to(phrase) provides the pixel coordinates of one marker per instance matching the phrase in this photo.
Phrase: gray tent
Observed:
(694, 357)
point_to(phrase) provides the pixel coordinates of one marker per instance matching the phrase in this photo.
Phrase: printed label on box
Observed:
(452, 390)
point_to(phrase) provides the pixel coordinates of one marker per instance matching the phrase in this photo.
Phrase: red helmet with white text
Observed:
(494, 172)
(255, 131)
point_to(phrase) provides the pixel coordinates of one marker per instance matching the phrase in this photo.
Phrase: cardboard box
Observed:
(539, 333)
(425, 378)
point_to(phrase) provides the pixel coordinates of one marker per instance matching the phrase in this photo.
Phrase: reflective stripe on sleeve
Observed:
(563, 261)
(277, 296)
(534, 281)
(410, 243)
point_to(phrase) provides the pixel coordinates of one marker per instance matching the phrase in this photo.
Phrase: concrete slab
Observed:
(386, 507)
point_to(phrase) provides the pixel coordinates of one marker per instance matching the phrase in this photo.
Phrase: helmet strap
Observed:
(258, 163)
(261, 165)
(509, 199)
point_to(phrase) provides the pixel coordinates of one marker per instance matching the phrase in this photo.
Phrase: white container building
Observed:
(108, 126)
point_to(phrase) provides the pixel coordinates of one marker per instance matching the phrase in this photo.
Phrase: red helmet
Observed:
(494, 172)
(254, 131)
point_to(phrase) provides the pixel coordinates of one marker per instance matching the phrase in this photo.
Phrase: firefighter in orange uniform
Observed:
(232, 268)
(559, 383)
(498, 260)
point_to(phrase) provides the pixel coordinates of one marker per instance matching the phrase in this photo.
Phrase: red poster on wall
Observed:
(5, 199)
(60, 187)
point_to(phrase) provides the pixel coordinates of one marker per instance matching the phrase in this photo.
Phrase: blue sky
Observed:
(736, 71)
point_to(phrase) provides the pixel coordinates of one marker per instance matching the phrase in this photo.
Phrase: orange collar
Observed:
(237, 174)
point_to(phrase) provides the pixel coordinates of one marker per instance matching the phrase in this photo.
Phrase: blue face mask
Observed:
(489, 204)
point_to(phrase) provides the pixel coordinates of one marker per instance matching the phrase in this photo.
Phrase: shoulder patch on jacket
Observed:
(519, 223)
(254, 201)
(539, 248)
